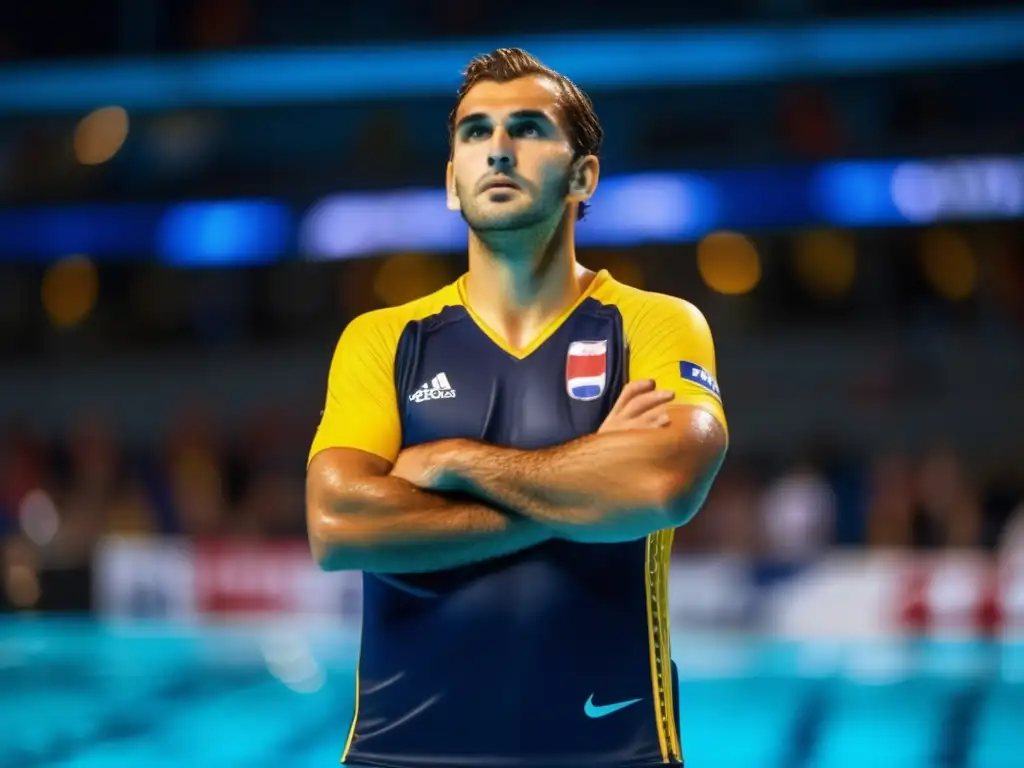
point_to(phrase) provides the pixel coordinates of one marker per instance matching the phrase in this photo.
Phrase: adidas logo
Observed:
(437, 388)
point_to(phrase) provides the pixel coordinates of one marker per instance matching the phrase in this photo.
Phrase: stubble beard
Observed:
(548, 209)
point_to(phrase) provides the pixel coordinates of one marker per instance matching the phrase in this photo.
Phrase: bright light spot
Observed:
(22, 586)
(38, 517)
(69, 291)
(309, 684)
(290, 661)
(949, 264)
(729, 263)
(100, 135)
(283, 649)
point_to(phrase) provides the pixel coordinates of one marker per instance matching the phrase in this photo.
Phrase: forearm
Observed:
(601, 488)
(386, 525)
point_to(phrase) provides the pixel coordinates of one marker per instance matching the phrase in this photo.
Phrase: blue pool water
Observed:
(80, 694)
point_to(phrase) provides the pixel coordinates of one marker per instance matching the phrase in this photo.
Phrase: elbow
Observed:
(320, 546)
(677, 503)
(671, 499)
(679, 494)
(334, 542)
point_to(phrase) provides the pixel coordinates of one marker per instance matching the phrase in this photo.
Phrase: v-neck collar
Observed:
(549, 330)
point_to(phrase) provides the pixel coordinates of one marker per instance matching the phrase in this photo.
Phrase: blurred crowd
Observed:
(58, 500)
(62, 498)
(928, 501)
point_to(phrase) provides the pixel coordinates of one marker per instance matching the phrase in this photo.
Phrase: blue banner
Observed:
(596, 60)
(681, 207)
(635, 209)
(200, 233)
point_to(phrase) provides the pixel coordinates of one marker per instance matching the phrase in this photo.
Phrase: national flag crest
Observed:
(586, 369)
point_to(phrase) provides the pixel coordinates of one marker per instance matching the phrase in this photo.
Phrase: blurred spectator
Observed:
(22, 469)
(932, 505)
(131, 511)
(1012, 539)
(194, 479)
(728, 521)
(19, 573)
(798, 514)
(90, 484)
(1004, 512)
(57, 504)
(948, 510)
(891, 502)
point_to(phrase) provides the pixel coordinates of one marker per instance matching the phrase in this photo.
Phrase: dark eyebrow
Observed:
(522, 114)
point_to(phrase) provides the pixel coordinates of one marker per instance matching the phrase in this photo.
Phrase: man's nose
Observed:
(500, 157)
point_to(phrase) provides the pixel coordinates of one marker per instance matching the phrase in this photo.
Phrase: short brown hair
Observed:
(506, 64)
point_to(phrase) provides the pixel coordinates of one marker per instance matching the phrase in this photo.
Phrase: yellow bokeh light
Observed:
(22, 586)
(826, 262)
(100, 135)
(949, 264)
(409, 276)
(729, 263)
(69, 291)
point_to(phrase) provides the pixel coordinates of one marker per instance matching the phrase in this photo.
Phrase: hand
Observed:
(424, 467)
(640, 406)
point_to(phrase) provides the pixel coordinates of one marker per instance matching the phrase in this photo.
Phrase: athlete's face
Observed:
(512, 164)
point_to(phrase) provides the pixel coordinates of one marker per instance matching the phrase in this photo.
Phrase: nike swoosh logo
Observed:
(594, 711)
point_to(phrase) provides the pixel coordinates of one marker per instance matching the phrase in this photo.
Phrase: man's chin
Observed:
(505, 221)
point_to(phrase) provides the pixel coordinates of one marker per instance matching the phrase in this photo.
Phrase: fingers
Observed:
(659, 418)
(630, 391)
(647, 401)
(639, 406)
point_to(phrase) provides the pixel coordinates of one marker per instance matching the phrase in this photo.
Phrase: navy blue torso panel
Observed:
(493, 664)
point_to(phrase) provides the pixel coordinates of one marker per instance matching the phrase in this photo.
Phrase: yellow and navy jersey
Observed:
(555, 656)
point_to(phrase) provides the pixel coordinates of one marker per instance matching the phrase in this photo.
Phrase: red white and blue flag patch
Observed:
(586, 369)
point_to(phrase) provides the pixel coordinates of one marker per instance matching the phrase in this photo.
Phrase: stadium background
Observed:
(197, 196)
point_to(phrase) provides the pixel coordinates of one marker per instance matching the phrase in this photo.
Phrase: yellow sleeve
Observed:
(670, 342)
(361, 410)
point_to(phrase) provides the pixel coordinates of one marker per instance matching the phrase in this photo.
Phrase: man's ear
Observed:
(451, 194)
(583, 182)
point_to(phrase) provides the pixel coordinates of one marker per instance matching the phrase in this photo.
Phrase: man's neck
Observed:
(519, 283)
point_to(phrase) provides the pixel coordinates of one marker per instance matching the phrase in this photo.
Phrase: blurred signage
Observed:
(598, 60)
(144, 579)
(841, 597)
(959, 189)
(875, 596)
(138, 578)
(963, 595)
(628, 210)
(713, 593)
(270, 579)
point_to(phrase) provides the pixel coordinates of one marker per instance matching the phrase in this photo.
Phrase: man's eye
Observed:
(476, 132)
(528, 130)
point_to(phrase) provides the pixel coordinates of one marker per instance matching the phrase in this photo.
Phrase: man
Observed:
(506, 459)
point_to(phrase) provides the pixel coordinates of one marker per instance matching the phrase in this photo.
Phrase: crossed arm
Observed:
(455, 502)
